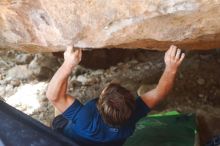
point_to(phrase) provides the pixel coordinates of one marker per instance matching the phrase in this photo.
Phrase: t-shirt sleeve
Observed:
(71, 112)
(141, 109)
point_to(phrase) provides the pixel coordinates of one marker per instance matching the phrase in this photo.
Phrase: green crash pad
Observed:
(168, 129)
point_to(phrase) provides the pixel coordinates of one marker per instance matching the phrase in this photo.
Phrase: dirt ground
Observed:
(196, 89)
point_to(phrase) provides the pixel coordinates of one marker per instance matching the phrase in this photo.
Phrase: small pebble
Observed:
(201, 95)
(15, 82)
(201, 81)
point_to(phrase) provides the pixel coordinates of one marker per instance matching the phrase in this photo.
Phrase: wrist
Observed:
(68, 67)
(171, 70)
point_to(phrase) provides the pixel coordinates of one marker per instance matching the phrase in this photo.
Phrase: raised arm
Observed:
(57, 87)
(173, 58)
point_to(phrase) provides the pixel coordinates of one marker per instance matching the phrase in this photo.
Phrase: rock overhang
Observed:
(52, 25)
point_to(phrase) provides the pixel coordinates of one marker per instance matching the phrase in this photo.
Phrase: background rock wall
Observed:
(51, 25)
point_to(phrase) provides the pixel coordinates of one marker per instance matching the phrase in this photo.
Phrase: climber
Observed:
(111, 118)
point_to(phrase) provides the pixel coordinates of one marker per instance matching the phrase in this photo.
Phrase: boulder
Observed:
(52, 25)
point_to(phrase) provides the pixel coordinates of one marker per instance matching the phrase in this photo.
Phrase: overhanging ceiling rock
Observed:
(51, 25)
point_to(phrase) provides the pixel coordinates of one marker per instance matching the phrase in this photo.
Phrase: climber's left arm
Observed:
(57, 88)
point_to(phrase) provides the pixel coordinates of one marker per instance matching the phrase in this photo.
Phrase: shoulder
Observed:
(77, 110)
(141, 110)
(88, 117)
(89, 110)
(140, 104)
(91, 102)
(90, 106)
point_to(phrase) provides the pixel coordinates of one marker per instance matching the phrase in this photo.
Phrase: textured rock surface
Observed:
(51, 25)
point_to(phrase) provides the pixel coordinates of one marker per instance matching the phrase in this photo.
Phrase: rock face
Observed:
(51, 25)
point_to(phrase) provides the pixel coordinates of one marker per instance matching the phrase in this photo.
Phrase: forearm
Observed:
(165, 83)
(63, 89)
(154, 96)
(58, 84)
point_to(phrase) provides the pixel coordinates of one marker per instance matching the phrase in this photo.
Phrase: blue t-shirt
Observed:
(86, 127)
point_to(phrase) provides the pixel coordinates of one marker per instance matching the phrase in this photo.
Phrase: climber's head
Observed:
(116, 104)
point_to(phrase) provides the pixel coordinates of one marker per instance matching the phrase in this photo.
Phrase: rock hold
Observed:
(15, 82)
(19, 72)
(23, 58)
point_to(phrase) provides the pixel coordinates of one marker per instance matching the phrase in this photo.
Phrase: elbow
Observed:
(50, 97)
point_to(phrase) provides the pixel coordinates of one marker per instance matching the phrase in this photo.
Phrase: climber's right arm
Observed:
(57, 88)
